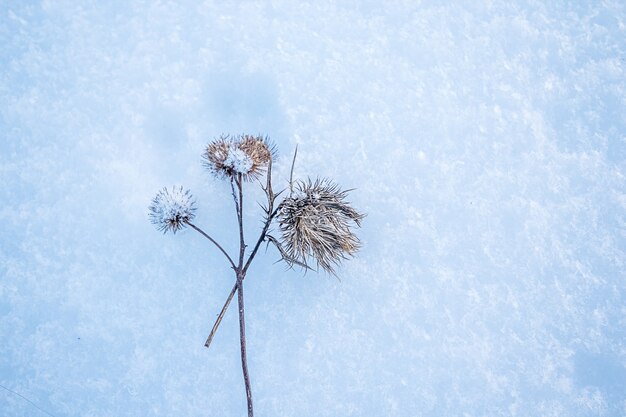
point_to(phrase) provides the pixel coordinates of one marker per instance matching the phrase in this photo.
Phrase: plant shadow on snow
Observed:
(239, 102)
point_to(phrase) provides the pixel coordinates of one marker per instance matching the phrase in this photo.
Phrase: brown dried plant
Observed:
(247, 155)
(315, 220)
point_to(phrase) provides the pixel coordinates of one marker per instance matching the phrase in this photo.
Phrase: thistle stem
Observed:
(203, 233)
(220, 316)
(230, 297)
(271, 213)
(240, 276)
(218, 321)
(242, 243)
(242, 340)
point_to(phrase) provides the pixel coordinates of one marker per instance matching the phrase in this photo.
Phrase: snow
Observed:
(238, 160)
(484, 140)
(171, 209)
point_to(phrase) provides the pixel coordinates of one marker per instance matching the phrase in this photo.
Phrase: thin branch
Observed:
(293, 163)
(275, 212)
(232, 292)
(214, 242)
(220, 316)
(268, 221)
(268, 187)
(232, 188)
(242, 243)
(258, 243)
(291, 261)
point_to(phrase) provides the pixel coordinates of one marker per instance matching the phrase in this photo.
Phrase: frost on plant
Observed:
(172, 209)
(315, 220)
(238, 161)
(227, 156)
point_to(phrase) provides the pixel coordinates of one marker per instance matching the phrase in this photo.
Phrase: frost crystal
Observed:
(171, 209)
(245, 155)
(238, 160)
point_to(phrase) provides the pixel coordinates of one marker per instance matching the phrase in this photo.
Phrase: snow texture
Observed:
(238, 160)
(171, 209)
(486, 141)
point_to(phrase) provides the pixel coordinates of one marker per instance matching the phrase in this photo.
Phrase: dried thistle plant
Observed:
(247, 155)
(171, 210)
(315, 220)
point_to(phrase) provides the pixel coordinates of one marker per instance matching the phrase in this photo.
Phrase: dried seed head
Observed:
(247, 155)
(171, 209)
(316, 221)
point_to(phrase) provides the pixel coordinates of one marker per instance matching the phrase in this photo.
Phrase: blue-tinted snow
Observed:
(485, 140)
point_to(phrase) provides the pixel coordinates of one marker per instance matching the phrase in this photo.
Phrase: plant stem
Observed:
(220, 316)
(242, 340)
(242, 243)
(271, 213)
(240, 276)
(196, 228)
(234, 290)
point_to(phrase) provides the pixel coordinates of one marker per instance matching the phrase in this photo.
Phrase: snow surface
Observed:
(486, 142)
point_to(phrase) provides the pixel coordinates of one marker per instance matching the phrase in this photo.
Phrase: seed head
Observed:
(172, 209)
(316, 221)
(226, 157)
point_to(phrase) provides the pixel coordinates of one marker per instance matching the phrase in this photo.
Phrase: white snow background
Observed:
(486, 141)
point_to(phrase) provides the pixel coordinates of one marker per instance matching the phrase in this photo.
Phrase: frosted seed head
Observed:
(171, 209)
(238, 161)
(227, 157)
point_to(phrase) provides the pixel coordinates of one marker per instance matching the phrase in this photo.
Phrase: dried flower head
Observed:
(172, 209)
(316, 221)
(245, 154)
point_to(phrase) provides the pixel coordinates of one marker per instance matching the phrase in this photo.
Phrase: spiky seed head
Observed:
(258, 149)
(171, 209)
(316, 221)
(248, 155)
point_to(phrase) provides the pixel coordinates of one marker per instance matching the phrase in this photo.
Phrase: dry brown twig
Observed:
(315, 220)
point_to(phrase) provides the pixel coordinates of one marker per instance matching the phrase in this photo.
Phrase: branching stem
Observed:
(242, 267)
(203, 233)
(220, 316)
(270, 214)
(218, 321)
